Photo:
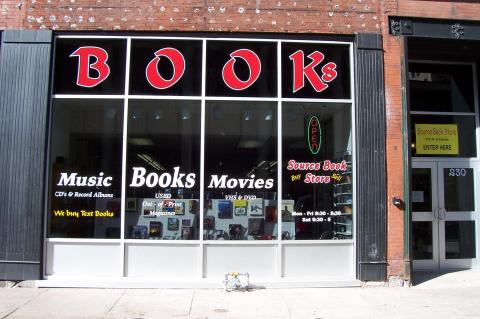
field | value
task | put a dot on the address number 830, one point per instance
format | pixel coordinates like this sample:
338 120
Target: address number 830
457 172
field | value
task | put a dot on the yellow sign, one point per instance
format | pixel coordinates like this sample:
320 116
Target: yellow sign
436 139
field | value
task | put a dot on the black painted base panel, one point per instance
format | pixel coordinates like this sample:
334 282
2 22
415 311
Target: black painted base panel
373 272
19 271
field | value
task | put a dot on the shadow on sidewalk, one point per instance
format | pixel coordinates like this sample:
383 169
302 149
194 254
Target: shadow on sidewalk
420 277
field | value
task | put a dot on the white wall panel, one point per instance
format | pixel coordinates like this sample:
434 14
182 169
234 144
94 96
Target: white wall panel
170 262
319 262
260 261
83 260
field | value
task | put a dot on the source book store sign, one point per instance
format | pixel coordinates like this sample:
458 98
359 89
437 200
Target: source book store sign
436 139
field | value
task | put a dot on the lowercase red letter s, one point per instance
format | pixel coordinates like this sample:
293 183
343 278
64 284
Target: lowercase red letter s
300 71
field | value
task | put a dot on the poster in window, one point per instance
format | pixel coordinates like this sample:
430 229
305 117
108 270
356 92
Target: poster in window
240 207
255 207
173 224
224 209
155 229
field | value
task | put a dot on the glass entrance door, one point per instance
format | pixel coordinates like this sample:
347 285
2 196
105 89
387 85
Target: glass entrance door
445 215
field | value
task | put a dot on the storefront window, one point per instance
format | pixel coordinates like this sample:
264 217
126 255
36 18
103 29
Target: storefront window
442 109
86 157
438 87
241 69
89 66
159 90
240 171
317 171
163 170
153 71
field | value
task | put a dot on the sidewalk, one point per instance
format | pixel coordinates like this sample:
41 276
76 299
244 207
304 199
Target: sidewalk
452 295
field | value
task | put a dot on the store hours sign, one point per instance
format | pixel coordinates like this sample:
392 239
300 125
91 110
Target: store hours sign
174 67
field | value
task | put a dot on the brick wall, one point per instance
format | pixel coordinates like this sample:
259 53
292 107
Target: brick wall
394 148
12 14
468 10
332 16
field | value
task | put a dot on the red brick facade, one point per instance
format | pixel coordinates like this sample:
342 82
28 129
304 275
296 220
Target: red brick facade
300 16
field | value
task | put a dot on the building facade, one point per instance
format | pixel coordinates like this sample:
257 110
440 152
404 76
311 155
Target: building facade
305 143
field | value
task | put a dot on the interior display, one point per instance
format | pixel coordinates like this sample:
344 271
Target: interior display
220 223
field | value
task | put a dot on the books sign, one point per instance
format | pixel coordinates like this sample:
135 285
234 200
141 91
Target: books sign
437 139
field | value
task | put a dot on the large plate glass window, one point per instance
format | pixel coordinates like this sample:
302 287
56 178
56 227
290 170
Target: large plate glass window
442 110
240 171
317 171
163 170
89 66
85 165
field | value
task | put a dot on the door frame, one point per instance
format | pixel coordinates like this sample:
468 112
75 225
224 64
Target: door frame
438 217
428 264
445 216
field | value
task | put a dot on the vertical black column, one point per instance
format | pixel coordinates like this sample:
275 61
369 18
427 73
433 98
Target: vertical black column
371 168
24 83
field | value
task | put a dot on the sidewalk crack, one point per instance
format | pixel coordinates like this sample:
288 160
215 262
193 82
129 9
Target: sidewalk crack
25 303
286 303
116 302
191 302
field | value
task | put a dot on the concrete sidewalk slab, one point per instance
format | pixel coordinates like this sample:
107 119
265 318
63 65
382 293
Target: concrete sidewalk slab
153 303
452 295
217 303
70 303
329 303
14 298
